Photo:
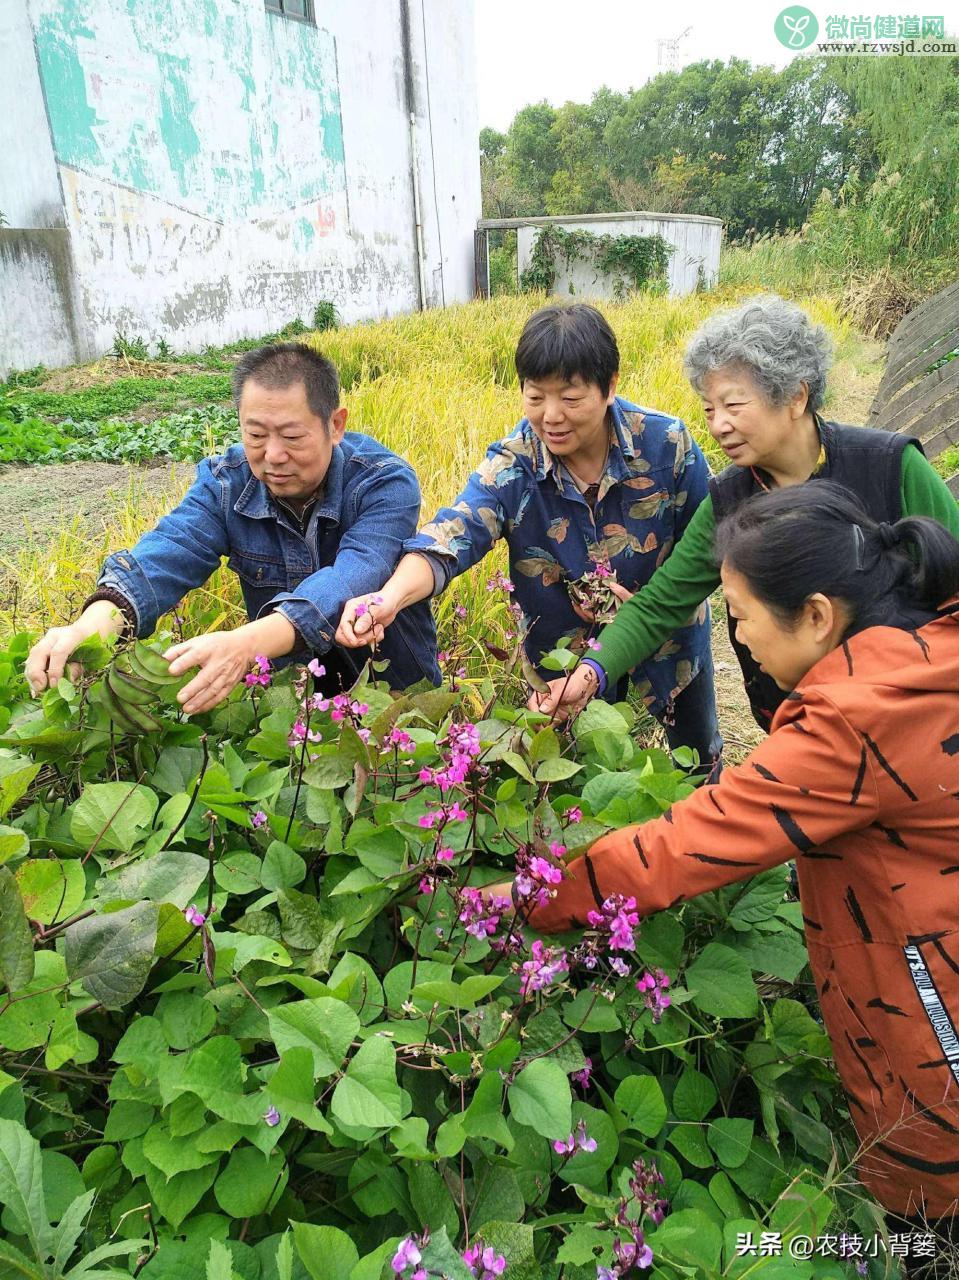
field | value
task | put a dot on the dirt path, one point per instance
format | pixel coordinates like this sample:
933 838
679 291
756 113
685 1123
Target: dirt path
36 501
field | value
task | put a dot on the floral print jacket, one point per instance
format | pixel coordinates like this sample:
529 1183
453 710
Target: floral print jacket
655 477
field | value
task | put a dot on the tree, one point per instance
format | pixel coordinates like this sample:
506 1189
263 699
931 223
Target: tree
747 144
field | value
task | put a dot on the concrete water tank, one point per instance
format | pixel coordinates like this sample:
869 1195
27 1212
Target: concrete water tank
694 261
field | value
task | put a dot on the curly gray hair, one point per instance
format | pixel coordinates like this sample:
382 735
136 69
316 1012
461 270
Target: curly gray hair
771 340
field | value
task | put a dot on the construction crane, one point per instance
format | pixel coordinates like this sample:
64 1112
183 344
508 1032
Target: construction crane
667 51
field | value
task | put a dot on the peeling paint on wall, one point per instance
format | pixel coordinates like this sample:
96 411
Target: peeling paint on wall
172 99
220 169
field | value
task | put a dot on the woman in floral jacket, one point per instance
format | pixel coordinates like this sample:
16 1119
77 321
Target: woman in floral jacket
586 481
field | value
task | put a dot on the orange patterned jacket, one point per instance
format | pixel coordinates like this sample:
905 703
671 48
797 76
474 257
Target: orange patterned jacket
859 782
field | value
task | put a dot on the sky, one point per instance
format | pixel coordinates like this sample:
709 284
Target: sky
564 50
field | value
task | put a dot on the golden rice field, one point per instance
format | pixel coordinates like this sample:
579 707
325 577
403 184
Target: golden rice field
437 387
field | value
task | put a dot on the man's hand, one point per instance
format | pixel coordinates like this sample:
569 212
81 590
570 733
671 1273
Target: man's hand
47 659
567 695
364 620
224 658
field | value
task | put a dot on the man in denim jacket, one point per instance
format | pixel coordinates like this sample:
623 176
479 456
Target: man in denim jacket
308 516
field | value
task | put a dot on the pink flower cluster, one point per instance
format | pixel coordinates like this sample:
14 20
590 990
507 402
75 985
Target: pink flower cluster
603 570
580 1140
399 740
301 732
582 1076
463 747
481 918
259 819
630 1250
445 813
653 988
192 915
345 709
261 676
535 874
316 668
646 1185
499 581
575 814
408 1255
362 608
547 964
484 1262
617 919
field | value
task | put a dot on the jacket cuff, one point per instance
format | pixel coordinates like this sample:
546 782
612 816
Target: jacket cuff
122 603
122 574
313 628
442 562
600 673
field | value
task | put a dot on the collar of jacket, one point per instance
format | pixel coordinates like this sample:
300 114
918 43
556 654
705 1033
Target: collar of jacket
620 447
257 502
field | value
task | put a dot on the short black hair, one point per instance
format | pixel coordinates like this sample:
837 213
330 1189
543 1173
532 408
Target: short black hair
566 341
279 365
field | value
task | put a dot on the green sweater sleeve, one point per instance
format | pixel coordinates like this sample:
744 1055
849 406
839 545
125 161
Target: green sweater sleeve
925 493
668 600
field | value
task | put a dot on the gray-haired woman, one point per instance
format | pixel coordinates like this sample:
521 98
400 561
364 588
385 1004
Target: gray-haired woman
761 371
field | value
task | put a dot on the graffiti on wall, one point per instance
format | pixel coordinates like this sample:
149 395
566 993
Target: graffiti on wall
214 106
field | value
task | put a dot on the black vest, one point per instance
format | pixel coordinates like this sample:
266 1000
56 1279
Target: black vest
866 461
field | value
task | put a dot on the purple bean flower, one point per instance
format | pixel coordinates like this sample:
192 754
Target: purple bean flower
194 916
261 676
653 986
618 919
484 1262
540 972
580 1140
407 1256
479 917
582 1076
271 1117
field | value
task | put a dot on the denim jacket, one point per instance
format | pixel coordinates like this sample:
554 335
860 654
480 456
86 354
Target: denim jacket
369 504
655 478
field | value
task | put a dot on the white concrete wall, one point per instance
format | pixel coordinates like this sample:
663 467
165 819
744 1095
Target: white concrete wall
223 168
29 182
39 318
696 242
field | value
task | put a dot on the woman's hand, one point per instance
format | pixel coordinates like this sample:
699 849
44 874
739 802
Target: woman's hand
567 695
364 620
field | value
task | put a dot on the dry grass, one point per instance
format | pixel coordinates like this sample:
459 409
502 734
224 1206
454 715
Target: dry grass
877 302
102 372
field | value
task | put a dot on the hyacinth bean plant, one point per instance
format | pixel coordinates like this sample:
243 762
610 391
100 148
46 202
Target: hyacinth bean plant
257 1020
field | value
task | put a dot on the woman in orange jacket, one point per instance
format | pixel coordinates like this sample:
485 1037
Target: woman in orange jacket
859 782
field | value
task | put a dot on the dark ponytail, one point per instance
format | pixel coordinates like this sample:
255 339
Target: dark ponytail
816 537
